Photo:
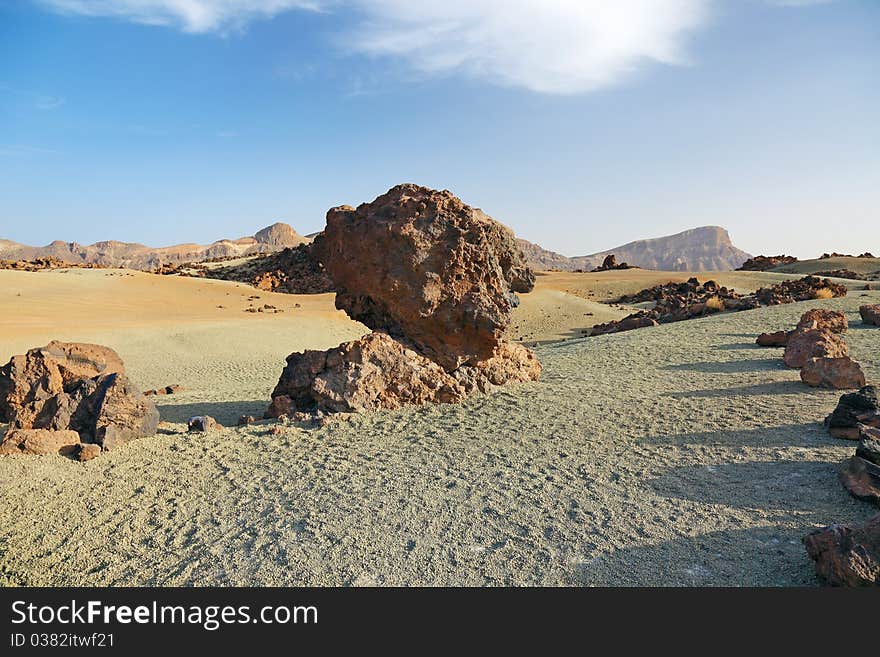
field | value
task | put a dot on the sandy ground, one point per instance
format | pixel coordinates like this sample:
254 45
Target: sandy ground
675 455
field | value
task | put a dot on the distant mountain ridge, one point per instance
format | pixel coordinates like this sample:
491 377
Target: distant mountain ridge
707 248
138 256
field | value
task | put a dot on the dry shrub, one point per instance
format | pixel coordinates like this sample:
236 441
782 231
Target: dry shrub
823 293
715 304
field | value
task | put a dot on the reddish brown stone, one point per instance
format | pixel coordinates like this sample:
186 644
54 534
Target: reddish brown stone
847 556
813 343
88 451
838 373
832 321
39 441
777 339
427 269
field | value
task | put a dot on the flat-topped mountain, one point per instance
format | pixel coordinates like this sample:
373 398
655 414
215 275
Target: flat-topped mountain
138 256
708 248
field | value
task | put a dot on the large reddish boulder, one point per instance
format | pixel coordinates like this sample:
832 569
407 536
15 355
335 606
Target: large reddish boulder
847 556
75 387
427 269
804 345
854 412
371 373
839 373
27 381
832 321
870 314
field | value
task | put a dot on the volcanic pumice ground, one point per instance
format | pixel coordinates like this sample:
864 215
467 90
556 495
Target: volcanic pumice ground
681 454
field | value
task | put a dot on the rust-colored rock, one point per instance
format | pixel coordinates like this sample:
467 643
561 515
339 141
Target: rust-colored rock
847 556
78 387
870 314
88 451
371 373
427 269
813 343
509 363
832 321
854 412
838 373
40 442
29 380
763 263
775 339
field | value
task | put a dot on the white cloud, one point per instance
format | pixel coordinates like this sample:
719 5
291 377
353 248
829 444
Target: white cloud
554 46
188 15
549 46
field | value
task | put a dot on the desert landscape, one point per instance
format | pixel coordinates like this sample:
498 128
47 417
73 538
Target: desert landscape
681 453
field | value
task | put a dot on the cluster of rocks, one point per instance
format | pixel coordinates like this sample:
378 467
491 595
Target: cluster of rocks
870 314
610 264
436 281
817 347
802 289
763 263
72 399
41 264
675 302
826 256
850 555
294 270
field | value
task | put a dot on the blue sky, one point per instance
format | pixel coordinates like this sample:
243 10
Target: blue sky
581 124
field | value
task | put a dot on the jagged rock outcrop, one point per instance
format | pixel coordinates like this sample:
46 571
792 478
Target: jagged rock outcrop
847 556
75 387
436 280
610 264
427 269
373 372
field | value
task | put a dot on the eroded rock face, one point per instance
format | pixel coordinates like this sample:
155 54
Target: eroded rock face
29 380
371 373
72 387
428 270
854 411
509 363
847 556
838 373
803 346
861 473
832 321
870 314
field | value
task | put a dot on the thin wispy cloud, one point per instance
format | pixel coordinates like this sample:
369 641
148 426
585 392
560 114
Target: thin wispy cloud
197 16
547 46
